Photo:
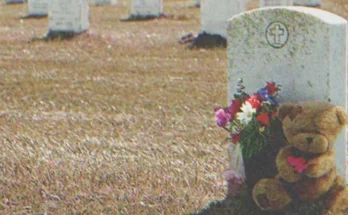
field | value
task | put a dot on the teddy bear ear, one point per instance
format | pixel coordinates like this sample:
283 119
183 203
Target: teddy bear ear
341 115
288 109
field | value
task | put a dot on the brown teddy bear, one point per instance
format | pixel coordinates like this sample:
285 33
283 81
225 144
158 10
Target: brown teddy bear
306 166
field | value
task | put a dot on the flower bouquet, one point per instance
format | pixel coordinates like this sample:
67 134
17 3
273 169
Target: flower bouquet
252 124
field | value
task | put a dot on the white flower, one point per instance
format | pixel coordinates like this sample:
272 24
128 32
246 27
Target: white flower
247 113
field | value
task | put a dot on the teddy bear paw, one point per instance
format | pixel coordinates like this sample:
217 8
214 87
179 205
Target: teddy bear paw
268 194
338 203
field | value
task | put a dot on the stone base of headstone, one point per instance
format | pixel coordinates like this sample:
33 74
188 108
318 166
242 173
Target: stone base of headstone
101 2
60 35
148 17
33 16
15 1
301 5
197 4
307 3
203 40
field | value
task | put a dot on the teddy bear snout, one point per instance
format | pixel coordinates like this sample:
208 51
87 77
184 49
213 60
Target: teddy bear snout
317 144
309 140
313 143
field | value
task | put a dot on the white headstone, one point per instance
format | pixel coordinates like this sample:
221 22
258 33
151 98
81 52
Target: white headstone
197 3
312 3
102 2
68 15
38 7
269 3
15 1
301 48
214 15
145 8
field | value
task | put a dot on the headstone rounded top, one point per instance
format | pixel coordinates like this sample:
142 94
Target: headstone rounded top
322 15
301 48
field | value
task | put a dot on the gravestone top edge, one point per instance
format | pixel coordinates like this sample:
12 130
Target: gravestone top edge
322 15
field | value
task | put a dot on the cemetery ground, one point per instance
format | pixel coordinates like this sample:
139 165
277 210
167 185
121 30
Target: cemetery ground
118 120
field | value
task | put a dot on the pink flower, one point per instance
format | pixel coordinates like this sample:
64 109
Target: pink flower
222 117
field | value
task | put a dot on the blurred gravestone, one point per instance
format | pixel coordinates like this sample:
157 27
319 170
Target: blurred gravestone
197 3
145 9
310 3
291 46
269 3
15 1
37 8
67 17
102 2
214 18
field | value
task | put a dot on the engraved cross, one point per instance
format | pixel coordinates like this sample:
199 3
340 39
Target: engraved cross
277 32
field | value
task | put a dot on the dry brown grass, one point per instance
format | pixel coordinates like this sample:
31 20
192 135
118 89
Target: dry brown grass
115 121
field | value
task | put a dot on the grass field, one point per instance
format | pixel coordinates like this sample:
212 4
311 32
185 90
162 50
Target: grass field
118 120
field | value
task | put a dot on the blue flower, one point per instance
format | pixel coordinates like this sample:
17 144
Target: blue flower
263 92
271 99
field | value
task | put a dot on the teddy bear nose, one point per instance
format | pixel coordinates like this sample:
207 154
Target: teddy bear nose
309 139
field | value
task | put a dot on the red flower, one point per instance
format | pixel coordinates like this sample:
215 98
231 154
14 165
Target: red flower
254 101
235 138
234 107
246 97
299 163
274 114
234 176
263 118
271 88
234 181
259 97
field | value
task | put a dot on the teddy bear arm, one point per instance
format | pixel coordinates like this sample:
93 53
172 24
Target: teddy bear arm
337 202
285 170
320 165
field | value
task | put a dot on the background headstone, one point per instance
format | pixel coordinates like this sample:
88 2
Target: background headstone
146 8
102 2
68 16
38 7
197 3
15 1
267 3
214 15
301 48
311 3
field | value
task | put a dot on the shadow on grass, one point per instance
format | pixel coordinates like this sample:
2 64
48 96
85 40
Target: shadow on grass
244 205
203 40
145 18
58 35
15 2
34 16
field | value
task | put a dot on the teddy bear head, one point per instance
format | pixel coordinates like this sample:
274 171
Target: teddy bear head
312 127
